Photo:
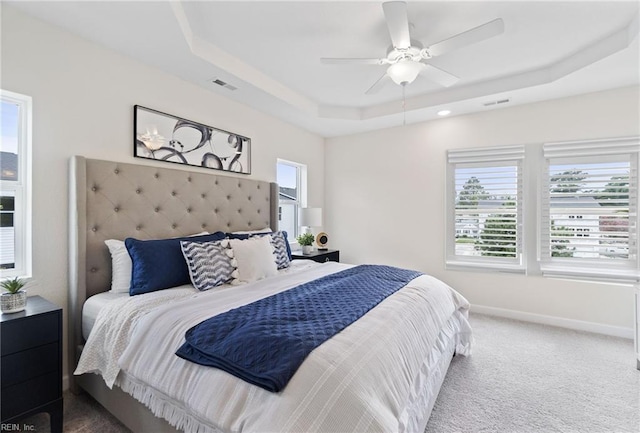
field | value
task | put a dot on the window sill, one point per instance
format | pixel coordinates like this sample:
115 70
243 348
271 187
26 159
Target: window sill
455 265
615 276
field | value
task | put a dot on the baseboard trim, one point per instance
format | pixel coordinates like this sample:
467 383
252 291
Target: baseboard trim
579 325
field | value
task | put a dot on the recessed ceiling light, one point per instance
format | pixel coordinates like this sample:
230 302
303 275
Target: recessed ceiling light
444 112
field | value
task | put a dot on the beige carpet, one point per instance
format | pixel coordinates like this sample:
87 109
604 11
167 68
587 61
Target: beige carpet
529 378
521 378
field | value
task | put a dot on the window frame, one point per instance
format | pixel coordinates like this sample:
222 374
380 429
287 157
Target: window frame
489 157
301 199
591 152
21 188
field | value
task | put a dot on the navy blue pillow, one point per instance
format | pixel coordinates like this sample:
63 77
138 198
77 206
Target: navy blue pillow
248 235
159 264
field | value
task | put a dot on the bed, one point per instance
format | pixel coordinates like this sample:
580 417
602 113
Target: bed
381 373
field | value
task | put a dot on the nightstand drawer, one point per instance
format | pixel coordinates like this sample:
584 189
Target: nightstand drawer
319 256
21 366
29 332
33 393
333 256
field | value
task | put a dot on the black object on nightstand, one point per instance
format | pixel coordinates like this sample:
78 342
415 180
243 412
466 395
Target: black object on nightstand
320 256
31 374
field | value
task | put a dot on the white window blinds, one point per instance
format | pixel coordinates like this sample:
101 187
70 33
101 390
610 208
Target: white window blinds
484 227
589 209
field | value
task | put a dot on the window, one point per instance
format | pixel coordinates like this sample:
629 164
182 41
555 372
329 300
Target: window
484 203
589 209
291 178
15 177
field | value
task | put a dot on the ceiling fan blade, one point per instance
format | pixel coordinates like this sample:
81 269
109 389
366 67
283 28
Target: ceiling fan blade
378 85
476 34
439 76
395 13
347 61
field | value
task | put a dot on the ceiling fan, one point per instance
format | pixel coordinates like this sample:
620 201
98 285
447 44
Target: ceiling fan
406 57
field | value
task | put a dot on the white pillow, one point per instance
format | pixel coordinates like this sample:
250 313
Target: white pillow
121 264
254 257
252 232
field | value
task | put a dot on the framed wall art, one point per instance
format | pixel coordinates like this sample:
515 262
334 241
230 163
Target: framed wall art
165 137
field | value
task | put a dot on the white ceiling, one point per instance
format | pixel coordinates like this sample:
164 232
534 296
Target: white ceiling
270 51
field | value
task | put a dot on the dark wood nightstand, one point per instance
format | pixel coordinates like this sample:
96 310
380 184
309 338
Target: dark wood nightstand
31 373
319 256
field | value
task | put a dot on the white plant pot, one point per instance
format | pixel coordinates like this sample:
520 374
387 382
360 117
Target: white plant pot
307 249
13 302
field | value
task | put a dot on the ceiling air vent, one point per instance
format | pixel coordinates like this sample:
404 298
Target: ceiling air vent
499 101
221 83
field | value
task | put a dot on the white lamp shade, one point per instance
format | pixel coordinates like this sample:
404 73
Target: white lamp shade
311 217
405 71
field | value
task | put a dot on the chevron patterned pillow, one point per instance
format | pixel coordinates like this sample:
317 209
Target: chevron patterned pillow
210 264
280 243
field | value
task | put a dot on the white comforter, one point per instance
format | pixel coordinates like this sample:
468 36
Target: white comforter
369 377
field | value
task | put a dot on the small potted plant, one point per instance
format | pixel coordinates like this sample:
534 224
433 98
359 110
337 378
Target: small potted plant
14 299
305 240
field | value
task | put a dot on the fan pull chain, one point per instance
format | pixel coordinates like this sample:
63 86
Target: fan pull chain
404 111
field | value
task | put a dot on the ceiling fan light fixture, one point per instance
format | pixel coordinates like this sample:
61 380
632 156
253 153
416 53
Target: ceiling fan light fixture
404 71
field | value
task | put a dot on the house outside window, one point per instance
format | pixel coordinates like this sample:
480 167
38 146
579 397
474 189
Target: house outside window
15 185
291 178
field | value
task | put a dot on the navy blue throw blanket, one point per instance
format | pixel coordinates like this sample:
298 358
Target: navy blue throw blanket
265 342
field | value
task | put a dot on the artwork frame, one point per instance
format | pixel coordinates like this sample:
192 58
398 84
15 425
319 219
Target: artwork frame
164 137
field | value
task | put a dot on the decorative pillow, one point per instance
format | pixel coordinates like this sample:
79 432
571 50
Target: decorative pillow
159 264
280 244
120 266
210 264
251 232
236 235
254 257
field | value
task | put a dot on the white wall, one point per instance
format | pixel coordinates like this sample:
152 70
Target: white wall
385 189
83 98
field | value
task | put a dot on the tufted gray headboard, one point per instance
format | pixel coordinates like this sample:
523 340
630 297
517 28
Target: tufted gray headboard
114 200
